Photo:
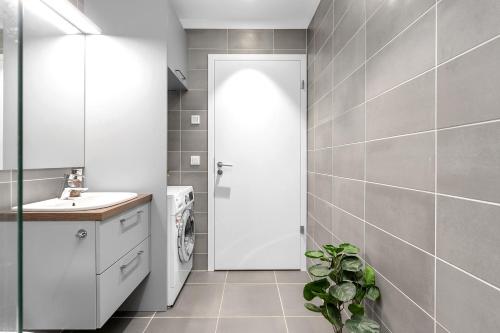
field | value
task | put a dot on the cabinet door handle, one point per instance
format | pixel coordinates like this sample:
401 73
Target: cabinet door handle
122 267
180 72
137 215
82 233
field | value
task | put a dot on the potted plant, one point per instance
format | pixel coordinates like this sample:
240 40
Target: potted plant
342 280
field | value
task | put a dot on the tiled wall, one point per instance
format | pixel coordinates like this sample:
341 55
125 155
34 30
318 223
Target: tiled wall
404 153
41 184
184 139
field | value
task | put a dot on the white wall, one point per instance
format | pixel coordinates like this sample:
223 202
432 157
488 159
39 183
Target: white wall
126 117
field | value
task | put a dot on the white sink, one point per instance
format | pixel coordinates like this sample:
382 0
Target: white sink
87 201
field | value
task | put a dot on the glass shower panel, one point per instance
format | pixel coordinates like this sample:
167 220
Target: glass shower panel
9 115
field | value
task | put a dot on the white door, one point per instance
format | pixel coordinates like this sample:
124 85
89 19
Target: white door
257 131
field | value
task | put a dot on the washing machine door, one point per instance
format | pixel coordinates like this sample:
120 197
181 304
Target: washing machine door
185 237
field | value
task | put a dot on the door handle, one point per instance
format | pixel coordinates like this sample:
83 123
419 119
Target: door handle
222 164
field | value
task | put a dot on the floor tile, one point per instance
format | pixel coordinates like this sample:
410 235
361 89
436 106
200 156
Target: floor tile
196 300
251 300
206 277
251 277
293 301
251 325
308 325
182 325
292 277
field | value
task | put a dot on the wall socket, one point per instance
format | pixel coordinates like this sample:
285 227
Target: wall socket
195 160
195 119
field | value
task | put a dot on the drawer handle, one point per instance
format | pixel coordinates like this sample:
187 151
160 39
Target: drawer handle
122 267
82 233
122 221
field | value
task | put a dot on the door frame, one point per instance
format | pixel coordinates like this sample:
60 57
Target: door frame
212 58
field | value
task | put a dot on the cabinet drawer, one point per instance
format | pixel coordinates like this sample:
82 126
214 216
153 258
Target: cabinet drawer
120 234
118 281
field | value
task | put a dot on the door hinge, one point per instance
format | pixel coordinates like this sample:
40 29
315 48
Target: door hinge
303 85
302 229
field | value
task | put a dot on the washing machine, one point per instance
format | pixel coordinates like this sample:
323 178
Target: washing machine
181 238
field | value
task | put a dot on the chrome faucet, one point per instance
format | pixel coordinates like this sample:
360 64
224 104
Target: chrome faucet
73 185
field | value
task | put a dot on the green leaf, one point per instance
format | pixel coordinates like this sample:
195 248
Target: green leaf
369 276
312 307
356 309
373 293
313 287
332 314
319 270
351 264
360 294
360 324
314 254
330 249
344 292
349 248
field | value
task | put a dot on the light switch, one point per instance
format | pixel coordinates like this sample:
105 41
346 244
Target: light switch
195 119
195 160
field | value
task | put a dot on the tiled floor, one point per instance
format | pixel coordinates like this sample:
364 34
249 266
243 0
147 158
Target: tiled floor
230 302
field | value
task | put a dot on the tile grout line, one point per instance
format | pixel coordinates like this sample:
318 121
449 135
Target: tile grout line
221 300
149 322
435 163
281 301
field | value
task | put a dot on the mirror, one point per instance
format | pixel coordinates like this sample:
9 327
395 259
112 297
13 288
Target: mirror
53 94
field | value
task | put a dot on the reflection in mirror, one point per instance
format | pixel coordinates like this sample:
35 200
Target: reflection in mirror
8 159
53 91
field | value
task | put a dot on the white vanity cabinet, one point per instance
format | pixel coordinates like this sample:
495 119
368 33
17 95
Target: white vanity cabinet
176 53
78 273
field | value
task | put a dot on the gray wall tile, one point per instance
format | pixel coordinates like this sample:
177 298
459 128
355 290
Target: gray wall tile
250 39
404 161
323 213
324 30
349 195
349 161
201 244
468 162
201 222
201 203
324 83
198 58
198 79
349 93
323 187
407 109
323 161
391 19
407 214
325 54
372 6
174 120
350 58
174 161
464 225
349 127
194 100
321 235
323 135
207 38
200 262
347 228
290 39
173 178
463 24
468 87
465 304
174 140
399 313
194 141
324 108
295 51
410 54
196 179
349 24
411 270
174 101
340 8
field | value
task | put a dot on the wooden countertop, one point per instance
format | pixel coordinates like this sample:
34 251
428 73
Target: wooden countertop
82 215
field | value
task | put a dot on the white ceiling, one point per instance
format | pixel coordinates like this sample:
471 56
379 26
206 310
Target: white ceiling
244 14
